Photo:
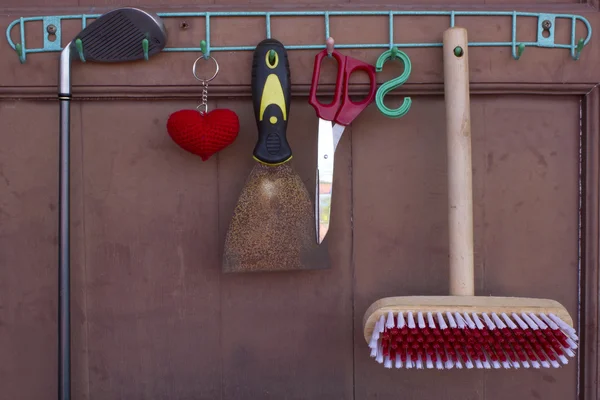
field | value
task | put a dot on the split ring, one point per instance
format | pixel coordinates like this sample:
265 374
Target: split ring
212 77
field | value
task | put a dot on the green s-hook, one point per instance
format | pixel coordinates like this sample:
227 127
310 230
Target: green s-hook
393 84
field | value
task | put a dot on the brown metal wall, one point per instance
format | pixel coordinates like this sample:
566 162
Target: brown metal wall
153 317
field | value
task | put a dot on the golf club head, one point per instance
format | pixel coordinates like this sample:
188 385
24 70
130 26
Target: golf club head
114 37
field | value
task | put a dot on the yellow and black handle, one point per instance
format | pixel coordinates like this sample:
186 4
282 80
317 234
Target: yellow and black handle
271 92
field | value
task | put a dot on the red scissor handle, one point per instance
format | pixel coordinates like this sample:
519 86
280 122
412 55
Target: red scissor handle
327 111
350 109
341 110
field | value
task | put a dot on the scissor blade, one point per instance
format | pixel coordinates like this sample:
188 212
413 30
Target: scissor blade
337 131
324 181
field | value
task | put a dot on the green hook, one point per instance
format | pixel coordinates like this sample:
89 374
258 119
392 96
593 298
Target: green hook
145 47
204 48
272 57
520 50
79 46
20 52
579 48
393 84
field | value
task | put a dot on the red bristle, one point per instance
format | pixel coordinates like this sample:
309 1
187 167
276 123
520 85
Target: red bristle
532 353
394 331
490 351
545 345
436 332
403 356
556 342
433 355
393 354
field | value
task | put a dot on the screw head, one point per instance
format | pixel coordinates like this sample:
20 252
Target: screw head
546 24
184 25
51 29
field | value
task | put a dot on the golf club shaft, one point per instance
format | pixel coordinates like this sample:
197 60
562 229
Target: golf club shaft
64 323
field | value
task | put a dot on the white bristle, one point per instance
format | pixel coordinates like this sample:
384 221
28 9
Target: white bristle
441 321
449 364
571 343
421 320
411 320
375 334
525 364
458 364
530 322
429 362
390 323
522 324
548 321
469 364
506 365
486 363
564 326
508 321
430 320
379 357
569 352
460 321
496 364
515 364
563 359
488 321
535 364
409 363
477 321
388 362
538 321
469 321
373 343
545 364
398 361
478 364
439 364
498 321
451 320
554 364
374 352
419 362
401 322
381 323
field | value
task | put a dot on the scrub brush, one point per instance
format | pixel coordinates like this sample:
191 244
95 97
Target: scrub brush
463 330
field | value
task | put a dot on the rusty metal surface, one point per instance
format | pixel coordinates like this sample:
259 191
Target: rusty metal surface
154 318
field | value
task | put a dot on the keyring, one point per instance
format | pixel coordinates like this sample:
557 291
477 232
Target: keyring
211 78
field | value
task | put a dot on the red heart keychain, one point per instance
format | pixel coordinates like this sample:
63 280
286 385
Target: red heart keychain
201 132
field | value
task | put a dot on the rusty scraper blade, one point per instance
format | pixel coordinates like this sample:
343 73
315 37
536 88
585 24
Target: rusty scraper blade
272 227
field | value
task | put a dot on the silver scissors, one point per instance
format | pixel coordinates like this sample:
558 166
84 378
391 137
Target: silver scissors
333 119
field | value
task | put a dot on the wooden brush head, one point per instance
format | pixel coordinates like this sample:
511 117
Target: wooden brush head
445 332
461 304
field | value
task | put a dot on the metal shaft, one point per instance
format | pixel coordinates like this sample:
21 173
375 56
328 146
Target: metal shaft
64 322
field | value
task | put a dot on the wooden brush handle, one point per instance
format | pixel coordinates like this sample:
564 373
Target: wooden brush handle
458 133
